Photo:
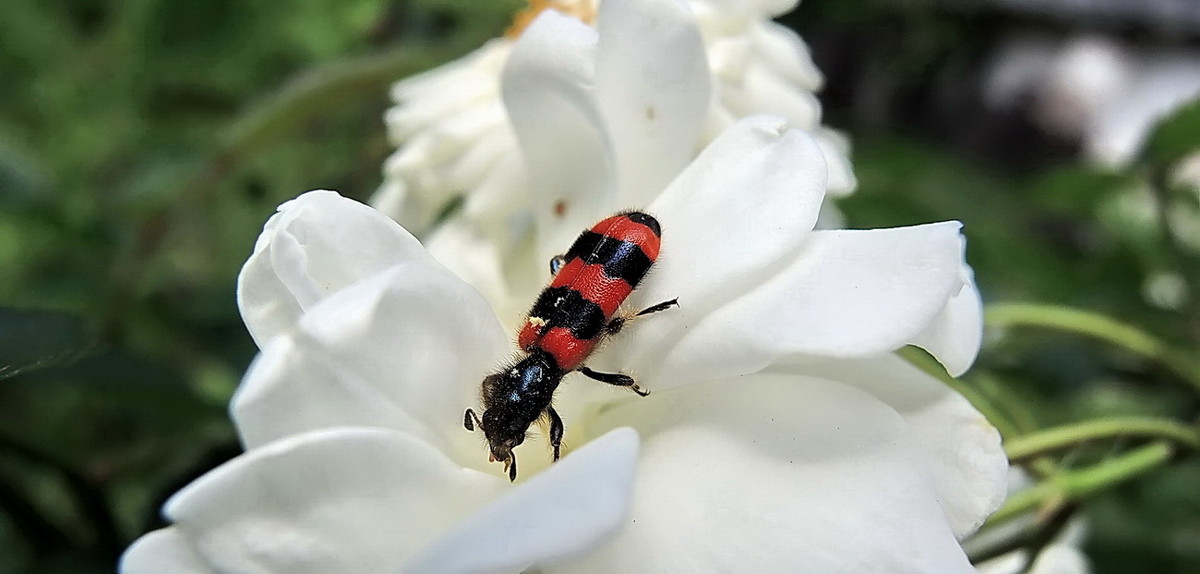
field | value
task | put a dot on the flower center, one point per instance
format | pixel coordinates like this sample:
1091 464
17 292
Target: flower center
583 10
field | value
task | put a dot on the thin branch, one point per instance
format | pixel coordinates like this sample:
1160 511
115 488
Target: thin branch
1052 440
1071 486
1097 326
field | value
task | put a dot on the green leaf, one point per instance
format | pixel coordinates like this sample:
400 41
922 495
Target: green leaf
37 339
1074 189
1175 137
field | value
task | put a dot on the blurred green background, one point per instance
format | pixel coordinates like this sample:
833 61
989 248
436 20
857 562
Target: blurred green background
143 143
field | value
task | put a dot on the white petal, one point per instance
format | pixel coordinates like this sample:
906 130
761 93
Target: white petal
557 514
1061 559
466 72
465 250
727 58
164 550
760 91
747 201
652 86
1010 563
770 473
503 190
775 8
963 451
314 246
393 199
455 132
1162 84
472 163
787 55
1054 559
830 217
426 98
836 148
295 385
339 500
405 349
547 88
956 334
845 294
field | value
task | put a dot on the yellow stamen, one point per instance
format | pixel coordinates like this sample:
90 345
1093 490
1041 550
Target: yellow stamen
584 10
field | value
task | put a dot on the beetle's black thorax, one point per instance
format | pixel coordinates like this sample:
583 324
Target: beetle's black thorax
522 391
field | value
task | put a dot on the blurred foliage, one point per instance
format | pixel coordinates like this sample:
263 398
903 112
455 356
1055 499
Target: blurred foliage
144 142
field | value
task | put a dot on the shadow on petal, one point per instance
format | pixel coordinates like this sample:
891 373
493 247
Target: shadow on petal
773 473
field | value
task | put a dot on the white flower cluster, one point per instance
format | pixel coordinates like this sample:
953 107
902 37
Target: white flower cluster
782 432
1094 89
455 140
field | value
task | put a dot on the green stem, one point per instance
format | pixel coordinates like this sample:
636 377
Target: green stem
1055 439
1096 326
1075 485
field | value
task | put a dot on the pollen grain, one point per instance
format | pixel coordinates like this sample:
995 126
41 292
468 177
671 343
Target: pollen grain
584 10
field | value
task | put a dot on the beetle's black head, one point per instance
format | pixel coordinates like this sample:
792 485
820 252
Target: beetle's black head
514 398
504 432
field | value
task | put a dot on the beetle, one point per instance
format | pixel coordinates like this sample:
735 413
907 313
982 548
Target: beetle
568 321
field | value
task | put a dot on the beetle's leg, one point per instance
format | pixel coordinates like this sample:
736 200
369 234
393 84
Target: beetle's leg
618 323
659 307
467 420
511 466
556 431
615 379
557 263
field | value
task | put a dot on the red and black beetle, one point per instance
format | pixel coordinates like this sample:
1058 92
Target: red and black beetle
566 323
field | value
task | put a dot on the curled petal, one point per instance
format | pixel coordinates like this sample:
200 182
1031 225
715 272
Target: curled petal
404 349
547 88
964 455
427 98
164 550
845 294
557 514
316 245
652 86
747 201
956 334
761 91
787 55
337 500
836 470
836 148
775 8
